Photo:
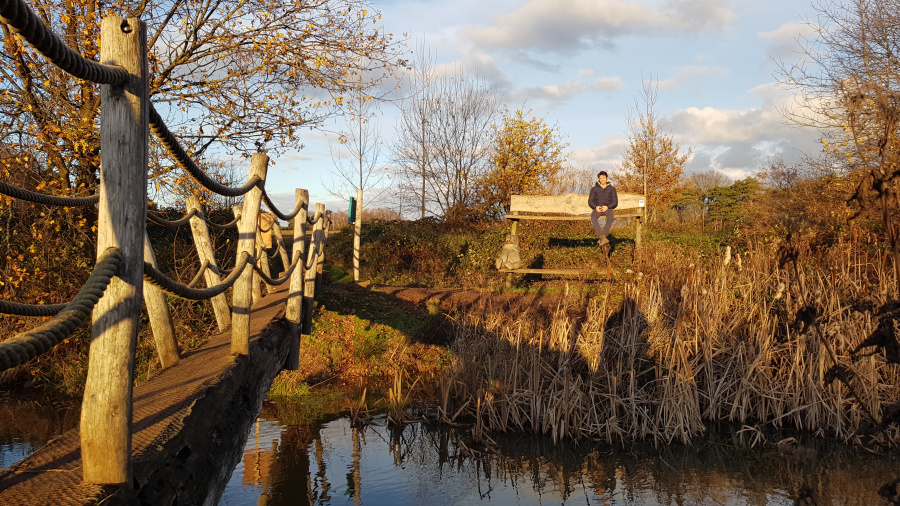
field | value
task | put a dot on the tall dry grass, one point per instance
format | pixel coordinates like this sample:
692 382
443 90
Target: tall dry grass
770 338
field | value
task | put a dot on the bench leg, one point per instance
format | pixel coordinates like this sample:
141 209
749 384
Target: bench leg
513 229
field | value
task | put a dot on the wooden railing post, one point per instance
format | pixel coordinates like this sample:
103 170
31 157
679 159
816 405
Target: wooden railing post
282 247
124 136
205 253
263 263
247 226
159 315
320 261
292 311
309 283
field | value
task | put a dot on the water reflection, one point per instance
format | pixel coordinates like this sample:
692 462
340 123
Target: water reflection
328 461
26 425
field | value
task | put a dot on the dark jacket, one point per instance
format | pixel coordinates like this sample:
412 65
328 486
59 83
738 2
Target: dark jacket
601 196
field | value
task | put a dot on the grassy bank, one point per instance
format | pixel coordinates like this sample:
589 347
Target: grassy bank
365 338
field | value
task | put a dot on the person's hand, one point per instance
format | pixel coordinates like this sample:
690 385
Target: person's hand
598 209
602 209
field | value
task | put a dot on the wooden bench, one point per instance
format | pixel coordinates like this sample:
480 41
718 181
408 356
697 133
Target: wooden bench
568 207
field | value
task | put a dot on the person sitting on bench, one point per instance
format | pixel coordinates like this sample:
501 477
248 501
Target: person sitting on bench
602 200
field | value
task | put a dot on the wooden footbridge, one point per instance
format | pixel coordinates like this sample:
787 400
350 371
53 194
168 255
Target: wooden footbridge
170 440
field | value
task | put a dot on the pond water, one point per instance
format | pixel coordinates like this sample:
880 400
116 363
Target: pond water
328 461
296 455
27 424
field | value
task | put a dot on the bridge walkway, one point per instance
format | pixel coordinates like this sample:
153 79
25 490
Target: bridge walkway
164 407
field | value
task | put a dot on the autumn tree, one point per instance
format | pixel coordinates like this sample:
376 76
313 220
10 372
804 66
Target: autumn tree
227 77
653 163
526 159
849 81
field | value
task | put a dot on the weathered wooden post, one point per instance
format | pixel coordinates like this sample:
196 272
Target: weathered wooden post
320 261
263 263
309 283
513 230
159 315
206 254
243 287
292 312
282 247
124 136
357 231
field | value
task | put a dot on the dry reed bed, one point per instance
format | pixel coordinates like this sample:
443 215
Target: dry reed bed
751 340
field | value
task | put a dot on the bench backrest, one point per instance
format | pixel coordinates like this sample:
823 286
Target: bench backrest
571 203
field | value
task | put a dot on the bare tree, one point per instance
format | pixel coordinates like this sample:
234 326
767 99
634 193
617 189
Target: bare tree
356 157
411 149
849 79
443 138
463 113
708 180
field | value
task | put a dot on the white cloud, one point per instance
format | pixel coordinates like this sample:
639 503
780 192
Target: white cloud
736 142
566 90
787 41
569 25
688 74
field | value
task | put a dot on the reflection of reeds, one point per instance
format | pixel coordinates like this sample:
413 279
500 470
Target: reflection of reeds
748 342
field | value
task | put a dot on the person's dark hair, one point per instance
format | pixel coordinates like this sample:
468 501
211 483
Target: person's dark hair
602 173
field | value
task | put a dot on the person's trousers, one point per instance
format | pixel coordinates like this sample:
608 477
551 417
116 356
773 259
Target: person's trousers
595 222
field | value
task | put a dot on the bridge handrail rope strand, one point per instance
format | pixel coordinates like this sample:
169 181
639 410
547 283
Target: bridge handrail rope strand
275 211
47 200
19 309
222 226
27 345
177 289
199 275
23 21
168 140
284 277
159 220
315 218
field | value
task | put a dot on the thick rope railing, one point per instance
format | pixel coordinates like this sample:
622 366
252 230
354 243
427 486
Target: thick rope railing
275 211
28 345
172 287
184 220
316 217
47 200
284 277
23 21
222 226
18 309
159 220
168 140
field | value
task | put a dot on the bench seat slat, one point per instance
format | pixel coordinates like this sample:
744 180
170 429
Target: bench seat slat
557 272
625 213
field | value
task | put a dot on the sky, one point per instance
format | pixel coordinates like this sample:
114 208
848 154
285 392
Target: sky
581 64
